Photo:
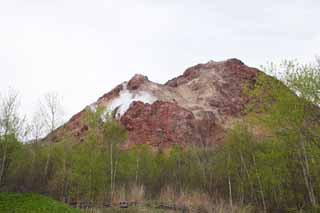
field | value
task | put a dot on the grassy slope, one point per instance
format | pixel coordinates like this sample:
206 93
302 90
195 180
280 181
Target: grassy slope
29 202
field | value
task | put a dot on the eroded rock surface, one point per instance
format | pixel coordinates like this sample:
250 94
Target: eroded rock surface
194 108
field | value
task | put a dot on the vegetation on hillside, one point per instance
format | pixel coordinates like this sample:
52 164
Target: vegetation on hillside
270 160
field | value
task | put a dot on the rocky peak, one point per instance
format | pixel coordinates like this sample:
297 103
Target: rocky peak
229 66
135 82
195 107
234 61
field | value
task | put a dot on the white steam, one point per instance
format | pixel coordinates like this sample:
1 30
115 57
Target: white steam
126 97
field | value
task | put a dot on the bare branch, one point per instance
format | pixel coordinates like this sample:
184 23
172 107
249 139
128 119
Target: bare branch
11 123
51 111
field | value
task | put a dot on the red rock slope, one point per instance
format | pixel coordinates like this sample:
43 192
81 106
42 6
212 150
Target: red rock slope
194 108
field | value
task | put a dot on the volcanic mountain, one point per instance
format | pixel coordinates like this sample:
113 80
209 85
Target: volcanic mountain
196 107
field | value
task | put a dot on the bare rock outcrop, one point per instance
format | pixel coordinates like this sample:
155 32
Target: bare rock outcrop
194 108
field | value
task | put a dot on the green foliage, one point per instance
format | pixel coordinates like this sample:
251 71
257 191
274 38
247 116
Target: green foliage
30 202
10 144
285 158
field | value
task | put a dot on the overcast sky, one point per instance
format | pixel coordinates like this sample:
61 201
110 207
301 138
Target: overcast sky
82 49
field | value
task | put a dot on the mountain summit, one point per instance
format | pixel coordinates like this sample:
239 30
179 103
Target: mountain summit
195 107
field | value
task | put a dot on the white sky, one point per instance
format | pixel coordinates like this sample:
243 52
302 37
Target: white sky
82 49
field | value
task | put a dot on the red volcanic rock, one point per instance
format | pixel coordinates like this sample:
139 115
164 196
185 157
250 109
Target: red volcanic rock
194 108
233 69
158 124
163 124
136 81
188 75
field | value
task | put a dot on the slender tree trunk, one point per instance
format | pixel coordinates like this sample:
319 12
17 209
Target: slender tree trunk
114 176
90 186
31 171
260 185
305 165
3 163
229 184
46 168
65 180
230 191
111 174
306 174
137 168
4 158
202 166
248 176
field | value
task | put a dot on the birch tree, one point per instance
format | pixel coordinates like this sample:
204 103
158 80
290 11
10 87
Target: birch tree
52 115
294 114
11 128
114 134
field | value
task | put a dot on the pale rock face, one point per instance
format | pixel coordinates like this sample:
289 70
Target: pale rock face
122 103
93 107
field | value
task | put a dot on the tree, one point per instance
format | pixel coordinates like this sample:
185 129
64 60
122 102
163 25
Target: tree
293 114
52 111
114 134
11 128
52 115
36 127
108 133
